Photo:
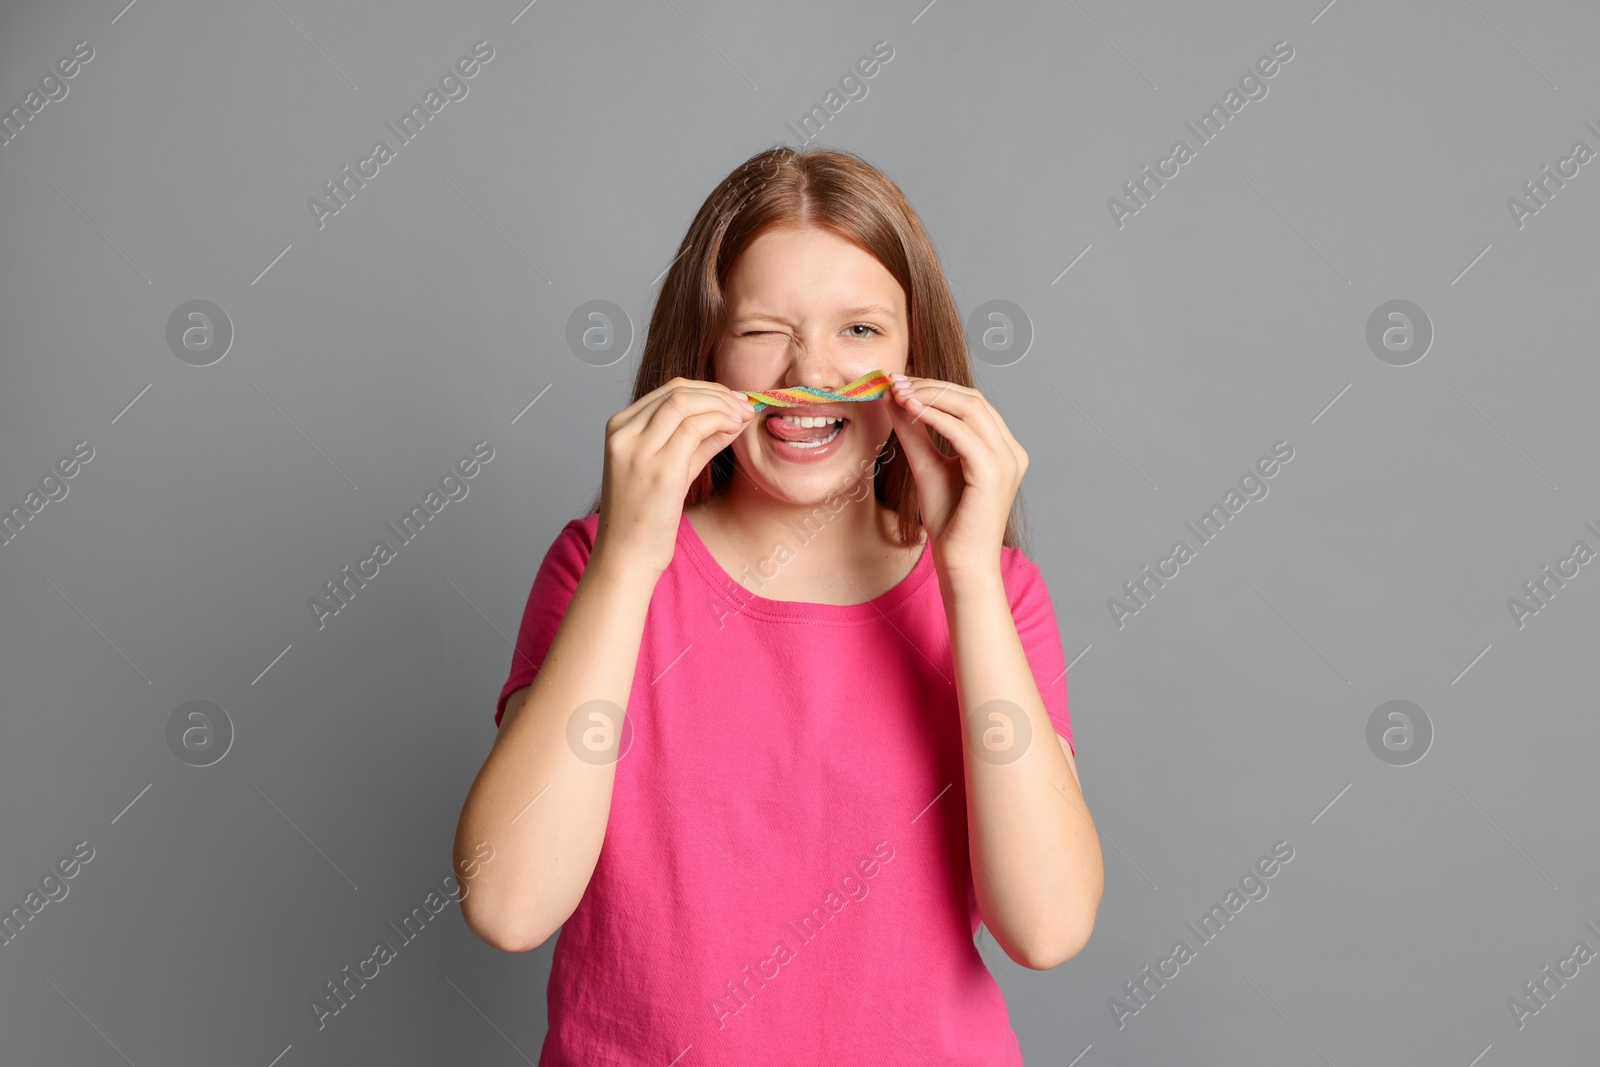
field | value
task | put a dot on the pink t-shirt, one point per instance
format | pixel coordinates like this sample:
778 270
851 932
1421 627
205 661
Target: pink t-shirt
784 877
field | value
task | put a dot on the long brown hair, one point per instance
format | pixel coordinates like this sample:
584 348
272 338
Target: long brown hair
834 190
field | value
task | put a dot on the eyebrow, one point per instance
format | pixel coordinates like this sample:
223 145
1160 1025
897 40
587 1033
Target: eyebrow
855 312
870 309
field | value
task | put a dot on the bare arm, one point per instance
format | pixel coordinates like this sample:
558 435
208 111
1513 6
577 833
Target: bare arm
540 805
542 808
1036 865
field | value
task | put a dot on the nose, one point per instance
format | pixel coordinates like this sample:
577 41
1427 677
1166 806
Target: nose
811 365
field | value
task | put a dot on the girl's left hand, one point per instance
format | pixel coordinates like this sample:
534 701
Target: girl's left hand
965 499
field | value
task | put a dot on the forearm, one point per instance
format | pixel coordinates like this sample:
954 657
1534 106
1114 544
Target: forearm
542 807
1035 853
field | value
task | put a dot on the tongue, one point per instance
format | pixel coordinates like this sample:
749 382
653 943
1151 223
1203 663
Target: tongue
784 430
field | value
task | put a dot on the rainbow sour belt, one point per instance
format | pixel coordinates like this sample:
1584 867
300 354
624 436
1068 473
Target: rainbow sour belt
869 386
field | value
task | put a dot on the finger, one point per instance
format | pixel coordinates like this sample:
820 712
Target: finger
637 415
921 452
972 448
1002 435
679 382
968 404
919 395
1005 431
948 386
699 437
683 403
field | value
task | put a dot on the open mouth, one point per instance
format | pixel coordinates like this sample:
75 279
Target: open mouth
804 432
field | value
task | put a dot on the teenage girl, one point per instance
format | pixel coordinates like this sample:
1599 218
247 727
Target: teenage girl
846 739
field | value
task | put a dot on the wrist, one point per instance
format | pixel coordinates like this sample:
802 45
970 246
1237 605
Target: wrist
967 568
623 571
967 578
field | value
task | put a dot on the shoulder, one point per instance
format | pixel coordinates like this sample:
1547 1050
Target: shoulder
1027 592
569 550
1014 558
584 528
1020 574
578 535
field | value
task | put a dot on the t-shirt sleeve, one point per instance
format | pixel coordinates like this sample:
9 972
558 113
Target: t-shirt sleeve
1035 616
552 591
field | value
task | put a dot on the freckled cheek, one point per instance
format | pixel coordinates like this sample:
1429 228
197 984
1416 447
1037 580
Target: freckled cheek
748 443
872 427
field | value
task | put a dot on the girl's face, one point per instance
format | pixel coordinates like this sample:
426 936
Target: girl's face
807 307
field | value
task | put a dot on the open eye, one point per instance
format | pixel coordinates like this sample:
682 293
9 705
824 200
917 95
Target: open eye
863 325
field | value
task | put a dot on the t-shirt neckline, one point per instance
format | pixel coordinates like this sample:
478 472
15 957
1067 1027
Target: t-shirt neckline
752 603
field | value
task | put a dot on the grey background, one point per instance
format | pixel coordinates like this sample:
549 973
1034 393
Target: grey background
1229 314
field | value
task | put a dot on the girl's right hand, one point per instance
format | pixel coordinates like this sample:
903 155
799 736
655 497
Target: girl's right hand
655 448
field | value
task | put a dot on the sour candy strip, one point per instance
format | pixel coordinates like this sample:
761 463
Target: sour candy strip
869 386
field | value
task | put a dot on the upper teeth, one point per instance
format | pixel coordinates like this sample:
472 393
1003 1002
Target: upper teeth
809 421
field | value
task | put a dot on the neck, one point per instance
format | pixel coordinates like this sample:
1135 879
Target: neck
827 537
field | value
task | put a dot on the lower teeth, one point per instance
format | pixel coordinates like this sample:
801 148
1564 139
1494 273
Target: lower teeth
816 444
